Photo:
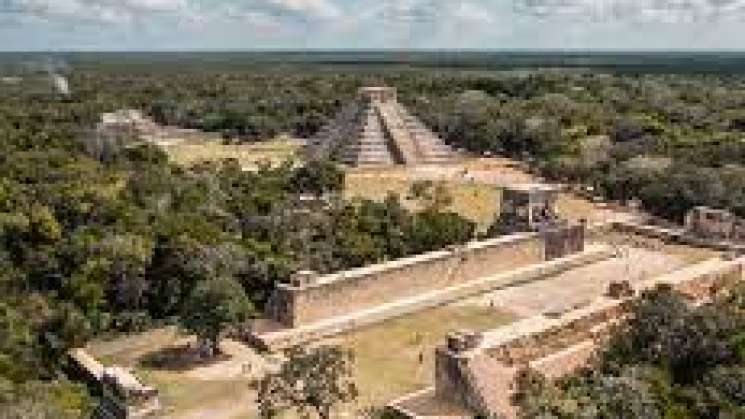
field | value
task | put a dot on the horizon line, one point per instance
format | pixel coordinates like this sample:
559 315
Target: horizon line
433 50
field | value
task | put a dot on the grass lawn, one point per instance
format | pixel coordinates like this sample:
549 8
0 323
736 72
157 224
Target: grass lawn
248 155
387 354
476 201
386 358
189 398
182 393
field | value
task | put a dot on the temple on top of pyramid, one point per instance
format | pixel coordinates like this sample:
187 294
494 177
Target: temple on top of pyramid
377 130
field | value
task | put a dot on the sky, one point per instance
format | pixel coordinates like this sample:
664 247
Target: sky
65 25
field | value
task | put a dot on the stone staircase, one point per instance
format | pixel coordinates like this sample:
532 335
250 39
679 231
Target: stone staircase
491 386
432 150
335 133
401 138
379 131
371 145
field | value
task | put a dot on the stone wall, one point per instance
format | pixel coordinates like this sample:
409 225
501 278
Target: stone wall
478 370
715 224
476 382
279 339
311 298
553 335
123 396
563 241
566 361
675 235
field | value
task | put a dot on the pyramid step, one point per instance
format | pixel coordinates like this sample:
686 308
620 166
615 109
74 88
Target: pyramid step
379 132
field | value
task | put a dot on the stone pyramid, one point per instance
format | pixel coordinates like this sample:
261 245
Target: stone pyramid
377 130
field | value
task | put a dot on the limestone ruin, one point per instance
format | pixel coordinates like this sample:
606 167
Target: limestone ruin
715 224
477 371
129 124
529 207
312 306
704 227
123 396
378 130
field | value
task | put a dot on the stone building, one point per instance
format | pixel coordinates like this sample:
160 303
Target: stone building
529 207
123 123
377 130
123 396
477 371
715 224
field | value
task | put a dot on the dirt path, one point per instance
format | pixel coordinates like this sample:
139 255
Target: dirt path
231 409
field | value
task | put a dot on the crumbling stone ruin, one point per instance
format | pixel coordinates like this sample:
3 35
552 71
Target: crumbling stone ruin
563 240
312 306
126 123
377 130
704 227
477 371
132 124
123 396
528 207
715 224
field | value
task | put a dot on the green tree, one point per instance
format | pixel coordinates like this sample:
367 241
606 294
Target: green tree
212 306
310 382
317 177
44 400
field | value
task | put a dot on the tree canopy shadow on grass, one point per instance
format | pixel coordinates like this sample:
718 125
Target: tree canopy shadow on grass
179 358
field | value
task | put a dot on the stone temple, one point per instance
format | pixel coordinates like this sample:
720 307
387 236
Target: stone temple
377 130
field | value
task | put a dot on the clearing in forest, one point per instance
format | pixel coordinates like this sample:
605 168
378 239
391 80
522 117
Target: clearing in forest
474 187
249 156
386 358
387 355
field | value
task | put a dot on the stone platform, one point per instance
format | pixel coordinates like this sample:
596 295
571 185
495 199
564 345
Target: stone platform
476 371
272 336
376 130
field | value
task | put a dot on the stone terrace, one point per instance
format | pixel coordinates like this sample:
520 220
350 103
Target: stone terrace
376 130
476 371
312 306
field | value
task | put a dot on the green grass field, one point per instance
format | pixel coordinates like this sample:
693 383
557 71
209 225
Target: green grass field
248 155
387 354
475 201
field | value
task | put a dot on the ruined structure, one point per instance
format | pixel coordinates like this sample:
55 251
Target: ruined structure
715 224
529 207
477 371
313 306
123 396
706 228
130 124
377 130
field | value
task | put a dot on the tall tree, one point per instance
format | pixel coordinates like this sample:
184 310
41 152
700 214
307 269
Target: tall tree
211 307
310 382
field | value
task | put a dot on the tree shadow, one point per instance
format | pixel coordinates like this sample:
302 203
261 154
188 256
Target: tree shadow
180 358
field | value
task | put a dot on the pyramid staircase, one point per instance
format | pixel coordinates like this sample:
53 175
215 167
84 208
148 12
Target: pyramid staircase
376 130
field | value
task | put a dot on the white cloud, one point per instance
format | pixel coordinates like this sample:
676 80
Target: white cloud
472 12
324 9
143 24
96 11
156 5
416 23
127 11
426 12
666 11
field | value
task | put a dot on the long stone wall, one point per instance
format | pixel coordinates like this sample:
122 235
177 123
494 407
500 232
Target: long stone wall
123 396
311 298
478 371
676 235
335 325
